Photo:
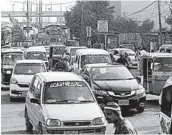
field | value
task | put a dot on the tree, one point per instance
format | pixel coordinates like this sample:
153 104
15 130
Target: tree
146 26
92 11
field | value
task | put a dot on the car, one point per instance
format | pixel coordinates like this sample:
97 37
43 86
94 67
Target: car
72 51
62 103
127 46
115 82
166 48
131 54
89 56
22 75
38 53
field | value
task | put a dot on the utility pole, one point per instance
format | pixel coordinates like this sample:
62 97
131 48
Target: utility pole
27 19
40 14
36 12
82 24
160 25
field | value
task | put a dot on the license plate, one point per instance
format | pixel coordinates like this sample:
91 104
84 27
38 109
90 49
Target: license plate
123 102
8 72
71 132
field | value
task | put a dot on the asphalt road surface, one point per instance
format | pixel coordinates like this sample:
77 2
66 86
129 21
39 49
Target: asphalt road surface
12 117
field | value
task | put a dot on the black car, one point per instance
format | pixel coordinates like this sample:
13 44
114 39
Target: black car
115 82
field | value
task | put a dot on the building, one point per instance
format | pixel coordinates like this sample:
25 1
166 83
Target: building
117 5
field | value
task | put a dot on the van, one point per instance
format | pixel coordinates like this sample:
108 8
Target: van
90 56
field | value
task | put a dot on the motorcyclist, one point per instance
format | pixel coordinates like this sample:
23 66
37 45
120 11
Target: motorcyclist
121 125
59 66
66 61
123 60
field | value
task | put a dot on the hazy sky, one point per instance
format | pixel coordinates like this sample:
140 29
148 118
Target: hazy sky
127 7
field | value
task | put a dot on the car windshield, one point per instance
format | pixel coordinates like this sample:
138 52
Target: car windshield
111 73
29 68
58 50
66 92
11 58
130 52
37 55
163 64
93 59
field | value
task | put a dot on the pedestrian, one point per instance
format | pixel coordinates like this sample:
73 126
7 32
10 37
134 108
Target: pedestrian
123 61
121 125
66 61
128 59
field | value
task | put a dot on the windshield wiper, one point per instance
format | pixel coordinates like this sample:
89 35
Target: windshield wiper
85 101
60 101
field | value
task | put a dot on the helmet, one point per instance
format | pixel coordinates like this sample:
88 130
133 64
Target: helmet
66 57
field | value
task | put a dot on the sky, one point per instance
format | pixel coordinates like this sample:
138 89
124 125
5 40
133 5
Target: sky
127 8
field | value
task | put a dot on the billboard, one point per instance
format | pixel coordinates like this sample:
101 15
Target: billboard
102 25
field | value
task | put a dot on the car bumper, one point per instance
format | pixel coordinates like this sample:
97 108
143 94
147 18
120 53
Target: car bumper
74 130
18 92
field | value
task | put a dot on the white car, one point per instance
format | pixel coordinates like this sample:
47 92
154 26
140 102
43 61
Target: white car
22 75
90 56
62 103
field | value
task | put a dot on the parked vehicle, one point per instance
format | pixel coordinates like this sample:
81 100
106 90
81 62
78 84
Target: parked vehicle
166 108
62 103
131 54
155 69
90 56
55 53
38 53
115 82
167 48
72 51
23 72
8 60
127 46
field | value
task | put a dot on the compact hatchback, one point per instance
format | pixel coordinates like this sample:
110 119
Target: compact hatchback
62 103
115 82
22 75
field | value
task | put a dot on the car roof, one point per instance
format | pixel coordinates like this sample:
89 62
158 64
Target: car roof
166 46
122 49
6 50
57 44
103 65
157 55
69 47
59 76
29 61
36 49
91 51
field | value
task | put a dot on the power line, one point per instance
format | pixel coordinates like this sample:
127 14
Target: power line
132 5
141 9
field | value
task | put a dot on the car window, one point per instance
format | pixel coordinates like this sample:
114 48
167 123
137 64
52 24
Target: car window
166 104
37 89
63 91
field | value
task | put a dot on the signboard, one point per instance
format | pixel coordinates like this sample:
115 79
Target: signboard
165 124
102 25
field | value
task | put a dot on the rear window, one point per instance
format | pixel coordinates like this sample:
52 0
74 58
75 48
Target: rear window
93 59
29 68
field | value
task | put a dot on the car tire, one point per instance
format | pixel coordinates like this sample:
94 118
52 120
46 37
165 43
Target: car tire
12 99
140 109
29 126
40 131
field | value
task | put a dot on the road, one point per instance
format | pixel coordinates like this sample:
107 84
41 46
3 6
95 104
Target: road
12 117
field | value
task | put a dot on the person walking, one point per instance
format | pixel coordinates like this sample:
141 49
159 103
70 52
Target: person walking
121 125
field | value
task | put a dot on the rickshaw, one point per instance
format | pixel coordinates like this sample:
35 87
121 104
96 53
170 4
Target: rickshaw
166 108
55 53
155 69
8 60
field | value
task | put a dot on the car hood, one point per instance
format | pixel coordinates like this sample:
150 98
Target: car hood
70 112
116 85
23 78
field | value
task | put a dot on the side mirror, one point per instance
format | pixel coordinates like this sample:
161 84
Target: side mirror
100 99
139 80
34 101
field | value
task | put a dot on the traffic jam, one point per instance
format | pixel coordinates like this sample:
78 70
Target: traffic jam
80 90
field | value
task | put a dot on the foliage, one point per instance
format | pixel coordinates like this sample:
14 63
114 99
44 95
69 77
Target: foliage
146 26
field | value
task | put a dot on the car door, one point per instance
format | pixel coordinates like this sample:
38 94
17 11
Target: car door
37 107
29 105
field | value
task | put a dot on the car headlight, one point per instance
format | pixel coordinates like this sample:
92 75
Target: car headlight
99 121
13 81
111 93
140 91
100 92
53 122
